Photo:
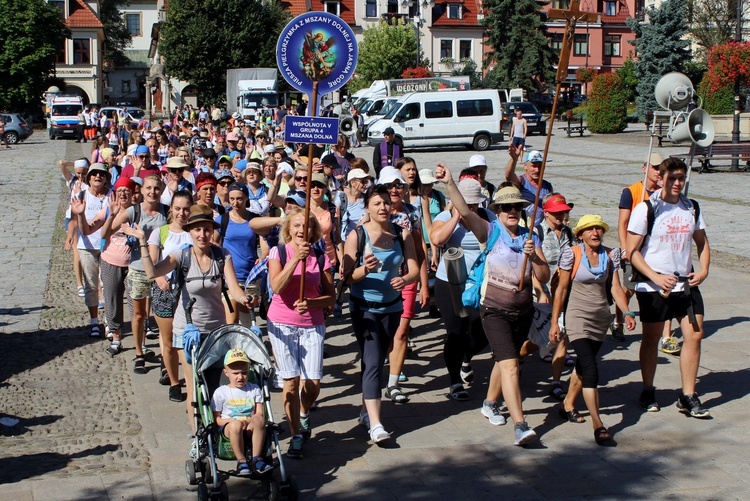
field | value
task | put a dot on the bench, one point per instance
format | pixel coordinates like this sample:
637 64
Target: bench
719 152
575 128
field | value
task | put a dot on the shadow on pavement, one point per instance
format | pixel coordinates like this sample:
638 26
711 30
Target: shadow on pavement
15 469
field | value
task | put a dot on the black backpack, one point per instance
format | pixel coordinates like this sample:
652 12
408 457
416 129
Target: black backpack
179 277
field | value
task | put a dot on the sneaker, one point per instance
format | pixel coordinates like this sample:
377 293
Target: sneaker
648 400
304 427
364 420
402 378
175 394
524 434
101 304
466 373
378 434
669 345
295 447
491 411
243 469
151 334
691 405
617 331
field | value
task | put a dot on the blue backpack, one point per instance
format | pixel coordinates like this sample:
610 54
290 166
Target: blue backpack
472 296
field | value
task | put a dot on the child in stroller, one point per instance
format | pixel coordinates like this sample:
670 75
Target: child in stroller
238 411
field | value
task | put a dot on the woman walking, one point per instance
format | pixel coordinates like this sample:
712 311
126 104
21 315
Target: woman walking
588 278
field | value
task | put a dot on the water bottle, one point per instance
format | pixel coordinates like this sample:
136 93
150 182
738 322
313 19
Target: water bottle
665 294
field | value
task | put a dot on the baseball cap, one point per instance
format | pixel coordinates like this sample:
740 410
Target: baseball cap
478 161
319 177
209 153
223 173
534 157
425 175
358 174
225 158
557 203
389 131
390 174
239 187
285 168
241 165
296 196
142 150
233 136
131 149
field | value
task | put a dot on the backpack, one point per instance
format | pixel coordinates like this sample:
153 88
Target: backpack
163 210
180 273
361 242
637 276
472 295
320 257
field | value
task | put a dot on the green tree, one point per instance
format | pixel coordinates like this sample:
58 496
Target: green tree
116 35
468 67
628 78
661 48
607 107
201 39
386 50
712 22
521 55
718 102
32 32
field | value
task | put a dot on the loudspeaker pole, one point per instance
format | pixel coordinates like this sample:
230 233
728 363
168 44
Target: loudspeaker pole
737 101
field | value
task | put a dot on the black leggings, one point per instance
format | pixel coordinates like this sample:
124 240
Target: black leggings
465 336
374 333
586 367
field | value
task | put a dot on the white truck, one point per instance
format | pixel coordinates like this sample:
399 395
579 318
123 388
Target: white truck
252 92
63 117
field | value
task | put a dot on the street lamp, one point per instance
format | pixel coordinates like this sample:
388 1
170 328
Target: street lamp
418 20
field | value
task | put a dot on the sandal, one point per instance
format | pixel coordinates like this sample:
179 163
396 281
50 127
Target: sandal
603 437
396 395
557 392
115 348
573 416
458 392
140 365
94 332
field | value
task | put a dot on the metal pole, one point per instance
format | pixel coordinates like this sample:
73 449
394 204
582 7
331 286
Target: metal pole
737 104
314 112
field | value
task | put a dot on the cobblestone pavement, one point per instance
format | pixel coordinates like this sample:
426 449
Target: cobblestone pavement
91 430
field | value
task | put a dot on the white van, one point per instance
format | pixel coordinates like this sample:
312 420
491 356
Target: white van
63 118
470 118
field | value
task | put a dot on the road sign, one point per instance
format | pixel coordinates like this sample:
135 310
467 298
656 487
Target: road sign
311 130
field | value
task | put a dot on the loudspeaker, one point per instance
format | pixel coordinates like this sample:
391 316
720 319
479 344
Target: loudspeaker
347 126
673 91
698 128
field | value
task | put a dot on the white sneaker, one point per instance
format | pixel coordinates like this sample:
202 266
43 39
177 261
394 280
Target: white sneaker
492 412
524 434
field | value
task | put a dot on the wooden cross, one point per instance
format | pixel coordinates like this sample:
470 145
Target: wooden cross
572 15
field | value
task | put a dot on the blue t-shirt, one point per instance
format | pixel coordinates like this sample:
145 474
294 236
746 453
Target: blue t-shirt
351 216
462 238
376 286
528 193
241 242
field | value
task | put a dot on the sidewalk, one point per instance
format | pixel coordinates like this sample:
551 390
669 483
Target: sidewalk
90 429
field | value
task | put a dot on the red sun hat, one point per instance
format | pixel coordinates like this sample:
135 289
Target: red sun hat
557 204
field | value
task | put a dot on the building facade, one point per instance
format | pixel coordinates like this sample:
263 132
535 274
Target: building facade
79 60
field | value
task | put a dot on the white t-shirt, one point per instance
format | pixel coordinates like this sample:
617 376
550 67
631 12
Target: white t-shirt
93 206
668 248
173 242
236 403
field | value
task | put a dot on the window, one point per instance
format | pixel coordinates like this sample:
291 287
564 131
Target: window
392 7
612 45
464 49
333 8
61 53
555 42
454 10
408 112
474 108
561 4
125 87
133 23
60 4
371 8
81 51
446 49
438 109
610 8
580 44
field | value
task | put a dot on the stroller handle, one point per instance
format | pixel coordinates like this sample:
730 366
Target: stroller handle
189 310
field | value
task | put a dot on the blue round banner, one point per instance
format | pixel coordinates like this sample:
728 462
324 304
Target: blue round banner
317 46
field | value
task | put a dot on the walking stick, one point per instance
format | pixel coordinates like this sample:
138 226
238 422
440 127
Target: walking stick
314 104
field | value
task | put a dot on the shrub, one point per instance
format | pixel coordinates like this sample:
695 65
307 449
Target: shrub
718 102
606 109
418 72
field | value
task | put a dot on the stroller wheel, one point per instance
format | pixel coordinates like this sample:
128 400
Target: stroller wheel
206 472
273 490
203 492
289 488
224 492
190 472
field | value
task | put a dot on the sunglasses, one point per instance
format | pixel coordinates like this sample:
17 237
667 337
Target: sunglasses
509 207
225 183
176 170
300 178
390 186
318 186
98 174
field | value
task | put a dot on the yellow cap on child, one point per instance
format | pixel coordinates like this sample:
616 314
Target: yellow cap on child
235 355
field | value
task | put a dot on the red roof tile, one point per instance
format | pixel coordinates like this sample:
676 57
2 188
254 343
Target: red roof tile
469 9
81 16
297 7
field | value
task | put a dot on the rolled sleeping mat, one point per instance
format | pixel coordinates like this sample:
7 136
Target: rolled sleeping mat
455 269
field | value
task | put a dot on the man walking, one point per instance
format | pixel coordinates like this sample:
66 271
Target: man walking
659 247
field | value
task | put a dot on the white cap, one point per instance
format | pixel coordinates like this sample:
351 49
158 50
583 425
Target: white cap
131 149
269 149
284 168
534 156
477 161
357 174
390 174
425 175
81 164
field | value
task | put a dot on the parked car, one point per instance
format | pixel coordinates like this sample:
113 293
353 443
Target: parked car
534 120
16 128
543 102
